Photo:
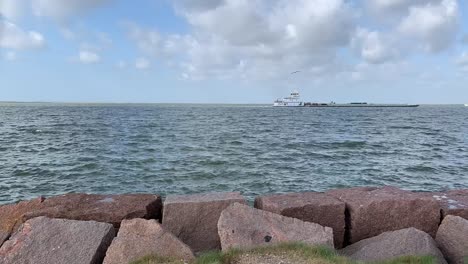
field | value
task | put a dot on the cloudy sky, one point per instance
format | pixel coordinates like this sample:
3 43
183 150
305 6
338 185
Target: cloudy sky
234 51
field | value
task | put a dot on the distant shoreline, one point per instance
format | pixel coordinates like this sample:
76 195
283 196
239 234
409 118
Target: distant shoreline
156 103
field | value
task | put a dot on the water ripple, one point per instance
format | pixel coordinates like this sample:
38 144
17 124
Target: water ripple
53 149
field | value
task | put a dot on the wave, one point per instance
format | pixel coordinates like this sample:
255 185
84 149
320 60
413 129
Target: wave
420 168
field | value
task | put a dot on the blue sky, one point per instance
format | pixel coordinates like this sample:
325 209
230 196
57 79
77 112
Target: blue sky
233 51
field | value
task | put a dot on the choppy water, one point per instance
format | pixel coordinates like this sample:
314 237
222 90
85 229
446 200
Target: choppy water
52 149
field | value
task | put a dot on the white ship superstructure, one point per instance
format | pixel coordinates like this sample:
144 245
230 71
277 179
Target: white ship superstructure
293 100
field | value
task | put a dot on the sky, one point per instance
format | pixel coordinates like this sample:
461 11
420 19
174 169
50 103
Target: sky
234 51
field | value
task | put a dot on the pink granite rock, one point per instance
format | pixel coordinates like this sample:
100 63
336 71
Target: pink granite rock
241 226
452 238
312 207
453 202
101 208
394 244
138 238
11 216
372 211
194 218
56 241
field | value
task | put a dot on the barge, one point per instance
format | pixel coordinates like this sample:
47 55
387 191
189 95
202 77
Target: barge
294 100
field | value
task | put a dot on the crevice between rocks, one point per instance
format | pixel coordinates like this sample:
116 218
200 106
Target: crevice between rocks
348 227
6 239
441 212
104 247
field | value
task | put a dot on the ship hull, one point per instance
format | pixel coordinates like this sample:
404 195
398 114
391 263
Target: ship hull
280 104
361 105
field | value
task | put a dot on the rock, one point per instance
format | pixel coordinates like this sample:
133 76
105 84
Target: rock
101 208
138 238
372 211
56 241
76 206
11 216
241 226
453 202
312 207
452 238
394 244
194 218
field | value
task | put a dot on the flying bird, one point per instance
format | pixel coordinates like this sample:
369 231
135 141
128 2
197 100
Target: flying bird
295 72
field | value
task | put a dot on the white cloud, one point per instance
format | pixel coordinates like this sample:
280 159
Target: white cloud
462 60
13 37
389 71
88 57
94 46
152 43
147 40
142 63
239 22
395 7
9 56
88 40
121 64
374 47
91 45
197 5
260 38
68 33
60 9
12 9
434 26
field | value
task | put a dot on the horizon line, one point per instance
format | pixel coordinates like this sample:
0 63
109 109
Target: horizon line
180 103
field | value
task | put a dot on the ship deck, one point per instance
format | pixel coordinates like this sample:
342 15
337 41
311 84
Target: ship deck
359 105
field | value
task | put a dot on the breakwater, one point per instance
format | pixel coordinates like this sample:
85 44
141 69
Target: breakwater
121 228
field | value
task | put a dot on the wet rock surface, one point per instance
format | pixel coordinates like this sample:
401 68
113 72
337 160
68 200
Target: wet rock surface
372 211
56 241
241 226
138 238
312 207
194 218
452 238
390 245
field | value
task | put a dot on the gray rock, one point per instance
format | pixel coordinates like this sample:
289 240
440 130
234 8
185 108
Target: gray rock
373 211
312 207
241 226
390 245
57 241
452 238
194 218
138 238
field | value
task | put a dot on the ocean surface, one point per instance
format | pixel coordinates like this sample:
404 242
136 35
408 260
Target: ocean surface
50 149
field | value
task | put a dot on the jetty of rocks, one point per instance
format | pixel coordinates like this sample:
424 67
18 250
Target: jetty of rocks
364 224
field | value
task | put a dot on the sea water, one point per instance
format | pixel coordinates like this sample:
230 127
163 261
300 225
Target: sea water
50 149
